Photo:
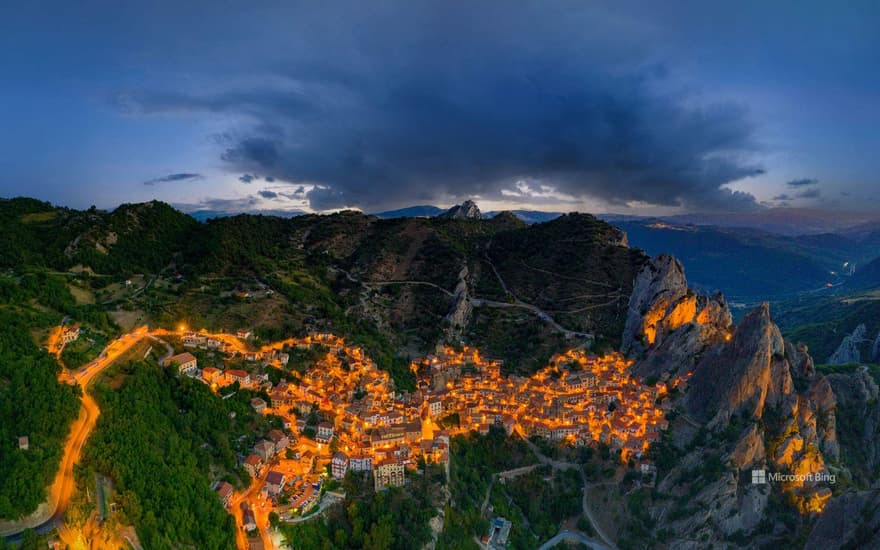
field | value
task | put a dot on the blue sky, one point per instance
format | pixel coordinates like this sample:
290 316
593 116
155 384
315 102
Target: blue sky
634 107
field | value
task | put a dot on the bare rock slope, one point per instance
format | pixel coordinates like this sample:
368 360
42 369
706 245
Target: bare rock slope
753 401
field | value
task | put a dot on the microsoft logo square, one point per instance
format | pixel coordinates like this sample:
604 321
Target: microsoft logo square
759 477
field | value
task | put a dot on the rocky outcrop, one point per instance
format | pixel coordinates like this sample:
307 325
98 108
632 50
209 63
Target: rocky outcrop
669 319
851 520
659 285
817 419
752 376
857 396
801 362
875 350
461 310
750 447
848 351
742 375
467 210
759 395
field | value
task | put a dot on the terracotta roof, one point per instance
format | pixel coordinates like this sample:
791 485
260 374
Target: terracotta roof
181 358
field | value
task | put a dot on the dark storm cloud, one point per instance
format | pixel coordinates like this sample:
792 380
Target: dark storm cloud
803 182
246 178
267 194
783 197
171 178
256 151
418 104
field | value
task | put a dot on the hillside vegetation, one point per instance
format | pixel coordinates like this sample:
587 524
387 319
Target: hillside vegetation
32 404
387 285
822 323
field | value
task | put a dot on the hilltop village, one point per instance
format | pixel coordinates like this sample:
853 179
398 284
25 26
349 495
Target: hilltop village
344 414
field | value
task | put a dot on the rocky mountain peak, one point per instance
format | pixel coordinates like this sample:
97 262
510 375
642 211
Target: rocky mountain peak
659 287
848 351
468 210
661 303
740 378
740 374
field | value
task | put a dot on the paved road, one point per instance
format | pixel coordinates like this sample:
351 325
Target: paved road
560 465
50 515
570 535
326 502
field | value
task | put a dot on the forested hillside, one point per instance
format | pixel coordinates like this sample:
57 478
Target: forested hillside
398 287
163 440
32 404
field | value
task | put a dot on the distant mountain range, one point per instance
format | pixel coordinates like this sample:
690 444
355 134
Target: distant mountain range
775 253
787 221
205 215
747 264
430 211
782 221
418 211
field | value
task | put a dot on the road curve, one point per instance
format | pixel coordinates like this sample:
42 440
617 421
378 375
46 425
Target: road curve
50 514
563 535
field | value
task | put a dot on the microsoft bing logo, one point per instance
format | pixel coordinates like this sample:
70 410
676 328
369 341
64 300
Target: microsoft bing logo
759 477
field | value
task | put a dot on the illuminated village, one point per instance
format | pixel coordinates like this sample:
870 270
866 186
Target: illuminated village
344 414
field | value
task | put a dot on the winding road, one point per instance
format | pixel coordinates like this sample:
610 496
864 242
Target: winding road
50 514
560 465
570 535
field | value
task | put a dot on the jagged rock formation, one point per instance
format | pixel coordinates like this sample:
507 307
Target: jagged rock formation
851 520
670 322
752 377
875 351
460 314
660 301
467 210
848 352
857 395
758 397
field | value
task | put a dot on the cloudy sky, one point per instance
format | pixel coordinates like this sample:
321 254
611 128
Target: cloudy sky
632 107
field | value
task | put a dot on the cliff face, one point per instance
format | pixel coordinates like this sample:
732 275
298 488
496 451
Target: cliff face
857 395
875 349
668 325
659 290
752 377
848 351
757 398
850 521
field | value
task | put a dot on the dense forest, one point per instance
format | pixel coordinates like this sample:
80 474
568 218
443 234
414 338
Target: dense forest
473 460
32 404
158 437
394 519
